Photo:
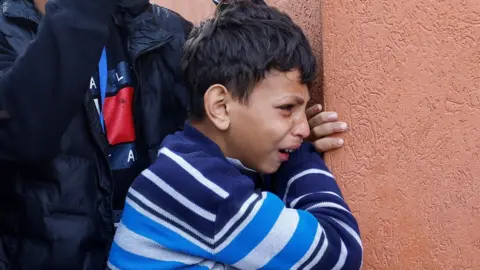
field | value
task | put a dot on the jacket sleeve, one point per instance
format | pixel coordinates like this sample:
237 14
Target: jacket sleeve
42 89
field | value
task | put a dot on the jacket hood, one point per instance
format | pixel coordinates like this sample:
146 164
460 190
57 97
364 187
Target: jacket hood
130 8
20 9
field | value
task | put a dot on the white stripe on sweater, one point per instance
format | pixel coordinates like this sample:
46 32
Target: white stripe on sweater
294 202
342 258
145 247
302 174
319 255
178 231
169 216
178 196
242 226
316 240
351 231
327 205
111 266
195 173
275 241
237 216
215 265
207 263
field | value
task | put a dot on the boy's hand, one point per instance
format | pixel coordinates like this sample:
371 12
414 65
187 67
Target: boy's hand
322 126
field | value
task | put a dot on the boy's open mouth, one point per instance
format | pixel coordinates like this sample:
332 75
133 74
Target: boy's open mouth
286 151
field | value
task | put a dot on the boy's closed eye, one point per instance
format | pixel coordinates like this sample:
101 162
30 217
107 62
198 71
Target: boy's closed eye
287 107
290 105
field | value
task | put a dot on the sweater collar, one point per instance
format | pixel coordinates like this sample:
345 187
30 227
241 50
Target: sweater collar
193 134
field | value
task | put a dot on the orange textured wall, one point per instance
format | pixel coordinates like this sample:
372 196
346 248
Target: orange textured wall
406 77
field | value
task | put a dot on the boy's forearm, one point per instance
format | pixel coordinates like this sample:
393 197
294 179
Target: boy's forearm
306 184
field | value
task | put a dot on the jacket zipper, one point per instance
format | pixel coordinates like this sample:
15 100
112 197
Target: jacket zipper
138 86
99 143
105 155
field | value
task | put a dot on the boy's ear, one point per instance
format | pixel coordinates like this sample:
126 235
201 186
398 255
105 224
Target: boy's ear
216 101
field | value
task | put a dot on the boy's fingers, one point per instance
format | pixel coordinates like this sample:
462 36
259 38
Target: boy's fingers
313 110
327 129
322 118
328 144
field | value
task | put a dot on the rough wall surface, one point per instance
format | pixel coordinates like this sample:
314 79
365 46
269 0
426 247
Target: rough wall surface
406 77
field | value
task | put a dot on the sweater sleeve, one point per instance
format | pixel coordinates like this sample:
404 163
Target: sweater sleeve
306 184
309 227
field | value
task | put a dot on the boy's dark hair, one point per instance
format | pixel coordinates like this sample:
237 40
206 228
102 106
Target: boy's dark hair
238 47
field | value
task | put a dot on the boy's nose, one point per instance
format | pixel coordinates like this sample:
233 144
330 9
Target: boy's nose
302 129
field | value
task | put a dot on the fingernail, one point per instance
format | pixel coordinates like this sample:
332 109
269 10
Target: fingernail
343 126
340 142
333 117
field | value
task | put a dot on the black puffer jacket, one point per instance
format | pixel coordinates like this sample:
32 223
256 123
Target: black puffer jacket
55 183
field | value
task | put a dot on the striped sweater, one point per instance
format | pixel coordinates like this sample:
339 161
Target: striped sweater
194 209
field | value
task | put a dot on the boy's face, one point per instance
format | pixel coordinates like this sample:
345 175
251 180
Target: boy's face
270 124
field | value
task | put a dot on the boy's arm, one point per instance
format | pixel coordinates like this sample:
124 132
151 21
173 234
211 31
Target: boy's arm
42 89
312 228
182 212
169 216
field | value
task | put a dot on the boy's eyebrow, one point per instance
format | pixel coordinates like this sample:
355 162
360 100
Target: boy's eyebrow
296 99
301 100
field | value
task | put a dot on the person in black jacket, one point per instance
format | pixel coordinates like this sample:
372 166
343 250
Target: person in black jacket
88 91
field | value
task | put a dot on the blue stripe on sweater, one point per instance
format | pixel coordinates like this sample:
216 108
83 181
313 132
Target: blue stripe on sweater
149 228
171 221
171 204
254 232
298 245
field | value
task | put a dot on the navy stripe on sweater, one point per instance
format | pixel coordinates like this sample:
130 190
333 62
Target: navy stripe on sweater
195 209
